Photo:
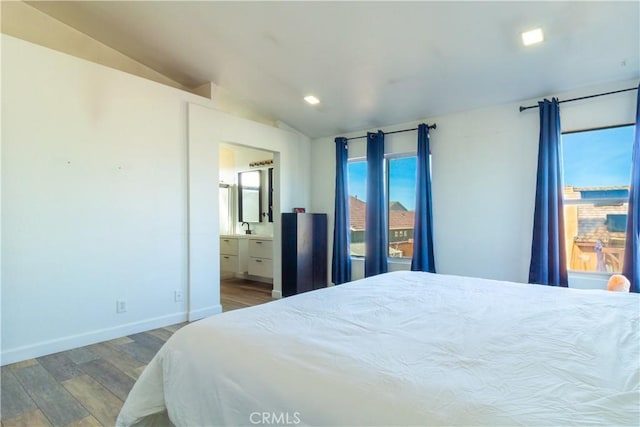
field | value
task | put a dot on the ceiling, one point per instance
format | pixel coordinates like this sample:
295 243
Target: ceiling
371 64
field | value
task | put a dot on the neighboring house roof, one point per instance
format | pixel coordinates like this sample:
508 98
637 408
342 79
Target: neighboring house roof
357 212
398 219
396 206
593 218
401 220
573 193
613 187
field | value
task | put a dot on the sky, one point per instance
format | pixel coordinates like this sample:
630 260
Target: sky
598 158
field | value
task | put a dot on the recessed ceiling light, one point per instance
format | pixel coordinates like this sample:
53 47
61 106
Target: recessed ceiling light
532 37
312 99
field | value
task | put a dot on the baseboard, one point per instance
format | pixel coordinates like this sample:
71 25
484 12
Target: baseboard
44 348
276 294
204 312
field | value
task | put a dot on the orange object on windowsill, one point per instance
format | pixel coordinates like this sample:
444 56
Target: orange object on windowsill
618 283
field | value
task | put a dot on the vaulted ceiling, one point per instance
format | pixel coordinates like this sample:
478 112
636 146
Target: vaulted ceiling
371 64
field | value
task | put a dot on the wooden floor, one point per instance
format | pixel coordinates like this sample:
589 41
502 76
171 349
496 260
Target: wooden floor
87 386
238 293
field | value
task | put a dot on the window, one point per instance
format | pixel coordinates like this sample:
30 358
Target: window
401 179
357 175
401 183
597 174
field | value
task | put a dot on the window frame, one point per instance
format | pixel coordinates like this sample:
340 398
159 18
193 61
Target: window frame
387 158
602 200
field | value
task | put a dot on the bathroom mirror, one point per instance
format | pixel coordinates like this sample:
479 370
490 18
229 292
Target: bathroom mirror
249 199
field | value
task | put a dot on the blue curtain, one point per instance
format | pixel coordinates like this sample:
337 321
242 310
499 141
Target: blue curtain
423 229
341 262
631 265
548 261
375 234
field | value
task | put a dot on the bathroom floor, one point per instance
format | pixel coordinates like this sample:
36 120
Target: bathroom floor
240 293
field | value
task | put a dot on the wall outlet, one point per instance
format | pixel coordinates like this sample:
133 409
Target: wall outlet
178 296
121 306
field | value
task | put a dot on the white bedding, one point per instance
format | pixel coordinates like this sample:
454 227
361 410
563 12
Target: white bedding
404 348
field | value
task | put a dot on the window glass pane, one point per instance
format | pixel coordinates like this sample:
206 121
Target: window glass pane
598 158
401 181
402 194
597 166
595 235
357 172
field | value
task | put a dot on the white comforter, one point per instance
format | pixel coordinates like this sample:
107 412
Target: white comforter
404 348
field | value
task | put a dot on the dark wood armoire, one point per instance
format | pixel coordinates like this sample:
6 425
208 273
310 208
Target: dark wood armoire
304 252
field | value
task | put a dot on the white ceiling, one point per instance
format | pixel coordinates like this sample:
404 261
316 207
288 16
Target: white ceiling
371 63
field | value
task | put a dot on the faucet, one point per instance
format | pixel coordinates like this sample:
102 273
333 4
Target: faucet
248 230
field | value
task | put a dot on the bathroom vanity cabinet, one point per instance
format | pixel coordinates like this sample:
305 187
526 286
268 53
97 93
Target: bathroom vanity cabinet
261 257
242 256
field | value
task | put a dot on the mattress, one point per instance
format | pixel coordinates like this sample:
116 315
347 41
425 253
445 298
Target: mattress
403 348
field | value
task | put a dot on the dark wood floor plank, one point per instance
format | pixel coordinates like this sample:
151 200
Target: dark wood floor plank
119 341
15 400
81 355
102 404
175 327
23 364
148 340
60 366
54 401
112 378
161 333
33 418
117 358
138 351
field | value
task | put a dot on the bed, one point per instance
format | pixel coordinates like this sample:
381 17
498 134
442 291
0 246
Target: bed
403 348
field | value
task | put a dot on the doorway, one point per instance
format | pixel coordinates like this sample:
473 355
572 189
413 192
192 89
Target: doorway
246 225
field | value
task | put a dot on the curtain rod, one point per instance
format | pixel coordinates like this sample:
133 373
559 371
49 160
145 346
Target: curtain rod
582 97
433 126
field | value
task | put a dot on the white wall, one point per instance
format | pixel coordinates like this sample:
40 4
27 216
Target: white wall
484 178
207 129
95 173
227 164
94 201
